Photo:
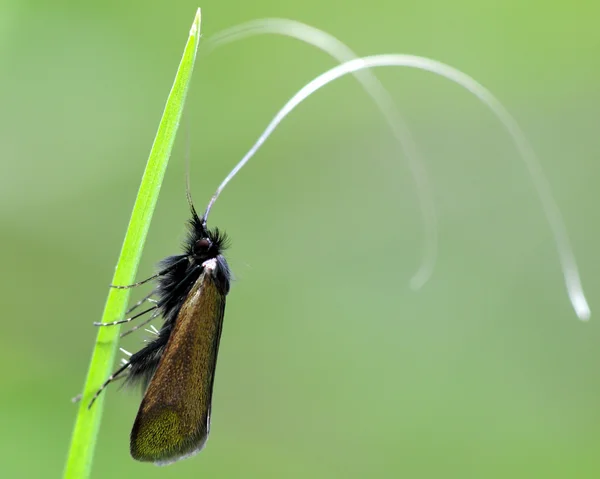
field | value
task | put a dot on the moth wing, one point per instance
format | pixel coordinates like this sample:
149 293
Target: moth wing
173 421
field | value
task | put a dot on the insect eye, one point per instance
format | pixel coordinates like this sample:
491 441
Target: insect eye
203 244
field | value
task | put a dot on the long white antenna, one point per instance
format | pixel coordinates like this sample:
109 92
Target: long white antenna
340 52
563 246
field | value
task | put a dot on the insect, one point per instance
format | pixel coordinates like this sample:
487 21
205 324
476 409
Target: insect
176 369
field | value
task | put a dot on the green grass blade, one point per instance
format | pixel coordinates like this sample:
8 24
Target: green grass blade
83 441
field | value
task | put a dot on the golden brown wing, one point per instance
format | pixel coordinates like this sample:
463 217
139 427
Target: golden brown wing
173 421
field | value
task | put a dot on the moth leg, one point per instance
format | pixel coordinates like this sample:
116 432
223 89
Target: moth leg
142 324
139 283
78 398
126 320
142 301
111 378
160 273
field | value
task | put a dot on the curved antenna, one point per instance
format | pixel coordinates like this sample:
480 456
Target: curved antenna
559 231
340 52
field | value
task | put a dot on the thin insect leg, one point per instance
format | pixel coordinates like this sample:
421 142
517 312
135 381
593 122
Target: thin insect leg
78 398
160 273
110 379
142 324
126 320
140 302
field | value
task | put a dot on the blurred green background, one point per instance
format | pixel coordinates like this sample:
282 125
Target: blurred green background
330 365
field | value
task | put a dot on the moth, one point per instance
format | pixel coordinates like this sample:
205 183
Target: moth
176 369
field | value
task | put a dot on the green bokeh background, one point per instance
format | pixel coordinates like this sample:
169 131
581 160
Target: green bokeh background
330 365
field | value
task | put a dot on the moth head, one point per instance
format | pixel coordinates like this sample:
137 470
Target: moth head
206 244
203 249
202 243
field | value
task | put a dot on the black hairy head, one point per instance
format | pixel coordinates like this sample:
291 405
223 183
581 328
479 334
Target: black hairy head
201 243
